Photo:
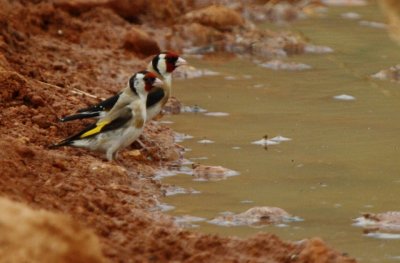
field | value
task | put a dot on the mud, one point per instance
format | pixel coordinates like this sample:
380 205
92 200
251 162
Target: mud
25 236
62 56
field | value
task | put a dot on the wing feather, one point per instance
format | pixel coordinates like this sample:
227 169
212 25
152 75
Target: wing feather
155 96
104 105
103 125
109 124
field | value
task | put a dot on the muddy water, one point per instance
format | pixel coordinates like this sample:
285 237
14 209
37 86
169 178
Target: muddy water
343 159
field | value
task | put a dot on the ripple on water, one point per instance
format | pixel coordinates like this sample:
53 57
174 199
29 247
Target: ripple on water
159 174
373 24
180 137
344 97
190 72
351 15
193 109
166 122
211 173
198 158
379 235
230 78
265 142
281 65
273 141
258 86
314 49
187 221
280 138
216 114
205 141
163 207
172 190
246 201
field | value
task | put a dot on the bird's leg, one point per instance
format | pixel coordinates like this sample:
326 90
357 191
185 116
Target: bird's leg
142 145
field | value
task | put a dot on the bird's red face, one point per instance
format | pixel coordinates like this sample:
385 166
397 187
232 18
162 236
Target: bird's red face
172 61
151 81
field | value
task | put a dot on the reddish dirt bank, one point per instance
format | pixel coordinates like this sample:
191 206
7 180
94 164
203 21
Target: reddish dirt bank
51 55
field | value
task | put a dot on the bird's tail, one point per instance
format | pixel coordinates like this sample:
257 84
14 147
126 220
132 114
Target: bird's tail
60 144
79 116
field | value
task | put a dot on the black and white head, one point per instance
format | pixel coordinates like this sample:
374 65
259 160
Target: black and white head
143 82
166 62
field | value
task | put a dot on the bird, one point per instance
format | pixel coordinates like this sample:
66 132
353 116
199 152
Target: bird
120 127
163 65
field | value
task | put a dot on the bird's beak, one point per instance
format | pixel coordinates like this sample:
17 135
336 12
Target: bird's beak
158 83
181 62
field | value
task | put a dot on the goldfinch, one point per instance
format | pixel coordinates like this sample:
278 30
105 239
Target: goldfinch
163 65
121 126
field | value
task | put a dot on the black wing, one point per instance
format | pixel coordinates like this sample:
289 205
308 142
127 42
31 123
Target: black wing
81 115
155 96
98 127
104 105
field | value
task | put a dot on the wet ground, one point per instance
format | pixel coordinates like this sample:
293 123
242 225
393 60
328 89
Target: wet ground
343 156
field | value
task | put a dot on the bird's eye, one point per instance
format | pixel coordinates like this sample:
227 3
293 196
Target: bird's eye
172 60
150 80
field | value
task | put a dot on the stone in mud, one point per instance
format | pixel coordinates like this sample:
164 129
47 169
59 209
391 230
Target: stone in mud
392 73
388 222
141 43
215 16
270 44
29 235
211 173
255 216
160 143
173 106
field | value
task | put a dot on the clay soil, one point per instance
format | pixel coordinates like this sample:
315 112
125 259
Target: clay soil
79 207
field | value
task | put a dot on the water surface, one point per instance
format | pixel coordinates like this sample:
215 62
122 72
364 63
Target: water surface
343 159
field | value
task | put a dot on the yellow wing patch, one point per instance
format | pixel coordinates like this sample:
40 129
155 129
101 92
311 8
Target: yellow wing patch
95 130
